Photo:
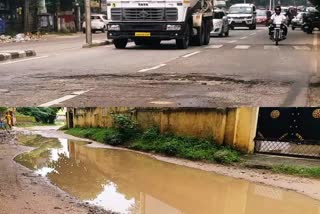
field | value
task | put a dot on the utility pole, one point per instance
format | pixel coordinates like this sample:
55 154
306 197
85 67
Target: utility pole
78 15
88 22
26 15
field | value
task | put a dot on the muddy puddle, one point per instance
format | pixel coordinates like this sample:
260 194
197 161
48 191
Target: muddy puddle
127 182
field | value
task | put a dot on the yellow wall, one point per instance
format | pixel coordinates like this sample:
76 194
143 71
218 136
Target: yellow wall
232 126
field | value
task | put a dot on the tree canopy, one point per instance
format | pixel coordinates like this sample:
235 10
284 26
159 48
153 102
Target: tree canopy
44 115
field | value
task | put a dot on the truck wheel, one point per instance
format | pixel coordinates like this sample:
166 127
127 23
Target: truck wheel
120 43
206 33
199 38
184 42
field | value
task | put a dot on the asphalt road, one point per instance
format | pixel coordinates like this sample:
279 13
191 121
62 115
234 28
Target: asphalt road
243 69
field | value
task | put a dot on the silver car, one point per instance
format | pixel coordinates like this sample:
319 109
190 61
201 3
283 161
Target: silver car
220 24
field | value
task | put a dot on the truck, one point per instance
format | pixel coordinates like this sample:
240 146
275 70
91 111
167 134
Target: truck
148 22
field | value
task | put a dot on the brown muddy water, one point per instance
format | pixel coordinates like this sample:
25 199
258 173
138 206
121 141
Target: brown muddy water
132 183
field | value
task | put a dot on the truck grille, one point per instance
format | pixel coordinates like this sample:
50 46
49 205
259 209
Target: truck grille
116 14
156 14
144 14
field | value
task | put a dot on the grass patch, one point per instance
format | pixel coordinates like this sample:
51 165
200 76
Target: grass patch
167 144
297 170
96 134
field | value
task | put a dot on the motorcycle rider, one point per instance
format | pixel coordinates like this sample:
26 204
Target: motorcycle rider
278 18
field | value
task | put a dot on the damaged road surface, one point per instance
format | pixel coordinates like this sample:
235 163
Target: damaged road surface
22 191
131 183
243 69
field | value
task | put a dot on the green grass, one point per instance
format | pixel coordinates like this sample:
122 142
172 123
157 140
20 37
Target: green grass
96 134
167 144
26 125
298 170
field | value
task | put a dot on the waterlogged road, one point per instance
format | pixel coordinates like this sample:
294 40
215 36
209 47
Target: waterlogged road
243 69
133 183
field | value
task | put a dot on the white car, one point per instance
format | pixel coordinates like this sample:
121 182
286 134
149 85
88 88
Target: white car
98 23
220 24
242 15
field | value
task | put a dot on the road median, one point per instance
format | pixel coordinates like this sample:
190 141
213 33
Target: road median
16 54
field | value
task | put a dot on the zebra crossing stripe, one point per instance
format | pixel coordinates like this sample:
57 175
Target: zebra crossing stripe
242 47
214 46
303 48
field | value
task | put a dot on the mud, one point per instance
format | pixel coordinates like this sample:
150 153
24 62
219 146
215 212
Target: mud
23 192
133 183
306 186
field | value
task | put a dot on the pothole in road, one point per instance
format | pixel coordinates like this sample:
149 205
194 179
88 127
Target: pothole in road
174 78
131 183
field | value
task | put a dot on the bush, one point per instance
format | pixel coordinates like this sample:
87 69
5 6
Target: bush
226 156
43 115
126 127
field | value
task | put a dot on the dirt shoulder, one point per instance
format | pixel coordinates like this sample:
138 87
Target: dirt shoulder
21 191
307 186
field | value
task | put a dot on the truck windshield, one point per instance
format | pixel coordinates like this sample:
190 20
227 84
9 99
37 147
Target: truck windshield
240 10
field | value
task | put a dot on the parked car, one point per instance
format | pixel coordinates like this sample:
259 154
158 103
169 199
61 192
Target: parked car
242 15
297 21
220 24
261 17
98 23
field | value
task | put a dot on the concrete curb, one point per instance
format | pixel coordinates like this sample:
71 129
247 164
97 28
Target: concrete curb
315 81
7 55
97 44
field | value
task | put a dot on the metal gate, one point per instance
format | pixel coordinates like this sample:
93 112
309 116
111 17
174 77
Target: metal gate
289 131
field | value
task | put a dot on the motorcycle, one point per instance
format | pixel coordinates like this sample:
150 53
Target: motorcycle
277 33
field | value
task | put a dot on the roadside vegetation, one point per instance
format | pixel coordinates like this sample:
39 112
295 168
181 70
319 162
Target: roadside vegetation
298 170
37 116
125 133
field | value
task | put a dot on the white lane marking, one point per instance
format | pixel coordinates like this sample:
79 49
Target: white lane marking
62 99
232 41
23 60
271 47
152 68
253 34
303 48
162 102
214 46
244 37
191 54
242 47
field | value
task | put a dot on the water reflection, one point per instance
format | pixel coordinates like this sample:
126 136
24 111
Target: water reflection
127 182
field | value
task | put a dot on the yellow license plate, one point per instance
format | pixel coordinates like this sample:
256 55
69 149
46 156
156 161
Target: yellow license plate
142 34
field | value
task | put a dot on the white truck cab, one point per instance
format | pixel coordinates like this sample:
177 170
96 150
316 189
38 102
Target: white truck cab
147 22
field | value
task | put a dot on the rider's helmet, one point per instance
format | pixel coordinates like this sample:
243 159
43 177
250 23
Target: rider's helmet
277 10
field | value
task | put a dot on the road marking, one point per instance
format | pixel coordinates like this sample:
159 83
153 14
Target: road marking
153 68
242 47
244 37
214 46
232 41
191 54
271 47
65 98
162 102
253 34
23 60
303 48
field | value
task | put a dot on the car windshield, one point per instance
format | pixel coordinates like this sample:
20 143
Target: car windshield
261 12
104 17
240 10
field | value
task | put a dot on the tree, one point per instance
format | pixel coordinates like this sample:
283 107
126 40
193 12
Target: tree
41 114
